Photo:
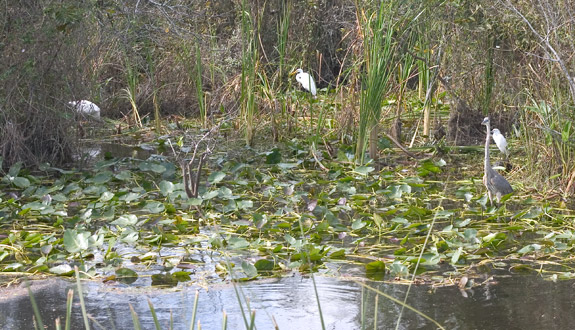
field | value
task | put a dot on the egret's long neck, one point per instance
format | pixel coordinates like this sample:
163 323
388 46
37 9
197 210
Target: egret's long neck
487 164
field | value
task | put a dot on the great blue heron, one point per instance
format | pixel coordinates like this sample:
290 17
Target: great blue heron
500 142
496 184
306 81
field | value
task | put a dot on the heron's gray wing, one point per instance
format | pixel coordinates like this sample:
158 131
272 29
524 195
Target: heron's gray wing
500 184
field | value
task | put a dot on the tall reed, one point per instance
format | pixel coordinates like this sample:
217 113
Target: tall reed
404 69
282 34
198 83
548 135
249 67
151 63
131 90
377 29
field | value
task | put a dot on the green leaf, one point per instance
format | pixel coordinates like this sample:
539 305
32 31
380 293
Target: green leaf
74 241
101 177
216 177
533 213
123 176
126 220
152 167
377 219
250 270
245 204
154 207
15 169
357 224
264 265
130 237
375 270
238 243
226 193
364 170
129 197
287 166
259 219
63 269
274 156
166 280
398 269
106 196
166 187
456 255
21 182
210 194
182 276
126 275
339 254
530 248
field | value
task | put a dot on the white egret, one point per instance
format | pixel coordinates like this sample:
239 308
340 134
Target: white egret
500 141
306 81
84 107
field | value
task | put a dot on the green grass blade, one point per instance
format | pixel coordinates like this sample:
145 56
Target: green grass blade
252 320
193 323
81 295
375 312
69 302
38 324
135 319
224 321
154 316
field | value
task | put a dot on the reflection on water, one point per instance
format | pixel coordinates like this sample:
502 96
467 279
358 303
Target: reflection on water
514 302
113 150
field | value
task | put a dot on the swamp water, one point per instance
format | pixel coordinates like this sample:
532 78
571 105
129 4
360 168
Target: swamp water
505 302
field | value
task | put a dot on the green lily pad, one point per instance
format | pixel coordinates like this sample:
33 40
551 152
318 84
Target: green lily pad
375 270
216 177
76 242
250 270
166 187
126 275
63 269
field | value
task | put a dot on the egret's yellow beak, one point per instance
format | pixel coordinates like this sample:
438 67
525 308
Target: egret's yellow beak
292 73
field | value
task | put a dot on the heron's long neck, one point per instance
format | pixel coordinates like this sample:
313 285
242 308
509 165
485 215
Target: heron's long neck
487 164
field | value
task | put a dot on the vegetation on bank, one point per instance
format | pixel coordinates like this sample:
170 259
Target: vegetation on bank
147 60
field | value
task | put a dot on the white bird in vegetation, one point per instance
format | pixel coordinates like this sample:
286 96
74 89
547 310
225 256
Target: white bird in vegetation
84 107
306 81
500 141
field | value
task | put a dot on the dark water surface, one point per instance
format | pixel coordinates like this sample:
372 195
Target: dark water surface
508 302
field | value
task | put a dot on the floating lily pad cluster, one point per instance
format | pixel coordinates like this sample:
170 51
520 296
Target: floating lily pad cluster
270 213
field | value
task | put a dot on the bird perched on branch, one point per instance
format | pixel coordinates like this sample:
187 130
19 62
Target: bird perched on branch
496 185
86 108
500 142
306 81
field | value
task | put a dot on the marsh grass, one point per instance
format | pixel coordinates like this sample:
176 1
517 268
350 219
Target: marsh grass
249 60
543 121
151 72
131 90
282 43
198 83
378 38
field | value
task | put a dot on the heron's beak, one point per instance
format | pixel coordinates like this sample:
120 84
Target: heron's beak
293 73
